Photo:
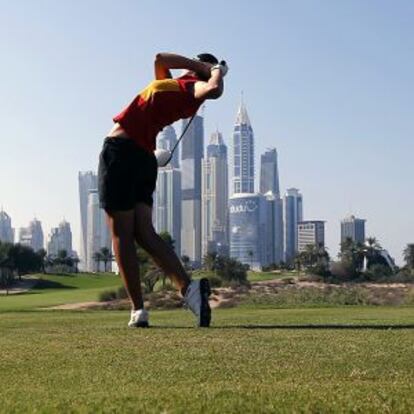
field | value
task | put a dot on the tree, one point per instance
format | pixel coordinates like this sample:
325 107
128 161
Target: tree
97 257
250 253
352 257
43 259
409 255
231 270
106 256
76 261
24 259
209 261
6 273
186 262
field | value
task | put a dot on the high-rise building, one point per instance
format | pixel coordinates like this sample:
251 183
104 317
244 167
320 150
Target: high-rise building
60 238
311 232
88 180
353 228
192 149
32 236
167 139
6 229
243 153
274 228
269 174
167 204
215 197
249 236
98 235
293 215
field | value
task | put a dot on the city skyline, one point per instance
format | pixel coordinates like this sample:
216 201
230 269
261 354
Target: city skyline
334 102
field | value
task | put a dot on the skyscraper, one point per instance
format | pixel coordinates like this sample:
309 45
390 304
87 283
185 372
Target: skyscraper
274 228
311 232
87 181
269 174
167 204
215 197
60 238
243 153
6 229
166 139
248 229
192 149
97 235
293 215
353 228
32 236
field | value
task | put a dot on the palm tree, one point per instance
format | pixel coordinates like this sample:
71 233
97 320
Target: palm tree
209 261
409 255
250 254
97 257
106 256
76 261
43 259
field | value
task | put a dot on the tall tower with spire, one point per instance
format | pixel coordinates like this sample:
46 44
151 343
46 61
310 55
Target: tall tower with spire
243 153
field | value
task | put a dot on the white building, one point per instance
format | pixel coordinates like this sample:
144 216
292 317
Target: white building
60 238
87 180
98 235
167 139
214 189
311 232
167 204
32 236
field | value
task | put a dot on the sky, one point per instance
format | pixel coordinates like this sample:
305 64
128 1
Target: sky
330 84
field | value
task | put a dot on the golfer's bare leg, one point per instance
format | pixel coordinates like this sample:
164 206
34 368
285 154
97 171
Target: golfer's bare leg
161 252
121 224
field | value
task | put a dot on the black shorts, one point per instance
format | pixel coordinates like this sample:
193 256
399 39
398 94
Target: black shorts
126 175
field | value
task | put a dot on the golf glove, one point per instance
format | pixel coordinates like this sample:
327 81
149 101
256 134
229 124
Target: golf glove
222 66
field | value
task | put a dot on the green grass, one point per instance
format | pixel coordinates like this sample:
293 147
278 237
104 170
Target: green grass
61 289
255 358
260 276
66 361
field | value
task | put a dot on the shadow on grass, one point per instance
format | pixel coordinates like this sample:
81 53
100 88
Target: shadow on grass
383 327
50 284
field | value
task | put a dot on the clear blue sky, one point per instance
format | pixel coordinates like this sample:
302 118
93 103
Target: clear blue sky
329 83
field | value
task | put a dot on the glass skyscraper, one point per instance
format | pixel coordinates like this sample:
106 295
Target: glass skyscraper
192 151
243 153
293 215
269 174
353 228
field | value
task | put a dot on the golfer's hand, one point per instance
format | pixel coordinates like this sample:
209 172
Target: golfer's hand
222 67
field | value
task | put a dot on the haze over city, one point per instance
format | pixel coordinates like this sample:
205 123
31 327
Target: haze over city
335 102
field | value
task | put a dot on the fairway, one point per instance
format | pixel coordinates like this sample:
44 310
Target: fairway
251 360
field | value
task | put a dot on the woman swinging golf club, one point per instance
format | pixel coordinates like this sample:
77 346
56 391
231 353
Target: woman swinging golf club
128 173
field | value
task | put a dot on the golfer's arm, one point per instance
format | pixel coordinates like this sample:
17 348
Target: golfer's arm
166 61
212 89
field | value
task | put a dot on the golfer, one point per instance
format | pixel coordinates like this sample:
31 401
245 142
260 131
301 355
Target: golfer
127 175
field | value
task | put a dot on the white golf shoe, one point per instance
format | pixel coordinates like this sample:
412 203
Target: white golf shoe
139 319
196 299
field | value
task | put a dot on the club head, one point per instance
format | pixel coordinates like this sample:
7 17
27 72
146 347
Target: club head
163 157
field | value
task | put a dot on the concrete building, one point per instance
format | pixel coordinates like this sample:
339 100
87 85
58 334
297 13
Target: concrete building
192 149
98 235
248 229
167 204
60 238
293 215
311 232
243 153
274 229
6 229
215 197
32 235
353 228
167 139
87 180
269 173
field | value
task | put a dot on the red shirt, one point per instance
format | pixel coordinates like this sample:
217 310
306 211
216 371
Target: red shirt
160 104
